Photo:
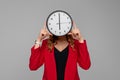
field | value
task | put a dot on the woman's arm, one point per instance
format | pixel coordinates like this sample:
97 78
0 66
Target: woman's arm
37 56
83 55
37 52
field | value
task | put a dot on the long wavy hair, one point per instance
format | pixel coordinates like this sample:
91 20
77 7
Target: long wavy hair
52 41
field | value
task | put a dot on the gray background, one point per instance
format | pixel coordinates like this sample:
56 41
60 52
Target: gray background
21 21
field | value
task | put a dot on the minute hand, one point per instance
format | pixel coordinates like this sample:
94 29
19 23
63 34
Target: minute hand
59 22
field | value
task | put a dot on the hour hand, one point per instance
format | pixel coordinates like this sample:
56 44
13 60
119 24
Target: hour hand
63 23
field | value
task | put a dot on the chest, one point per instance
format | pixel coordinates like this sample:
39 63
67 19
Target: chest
61 56
69 55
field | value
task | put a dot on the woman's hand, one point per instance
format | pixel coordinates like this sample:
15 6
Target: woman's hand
43 33
75 32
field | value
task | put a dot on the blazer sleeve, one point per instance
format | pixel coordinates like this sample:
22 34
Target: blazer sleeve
36 59
83 58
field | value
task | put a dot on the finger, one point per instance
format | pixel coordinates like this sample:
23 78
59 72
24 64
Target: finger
44 27
72 30
74 25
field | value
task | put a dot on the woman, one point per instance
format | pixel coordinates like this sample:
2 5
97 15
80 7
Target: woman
60 55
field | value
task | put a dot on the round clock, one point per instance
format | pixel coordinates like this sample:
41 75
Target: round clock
59 23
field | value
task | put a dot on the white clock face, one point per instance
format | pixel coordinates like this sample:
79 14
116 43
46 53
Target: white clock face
59 23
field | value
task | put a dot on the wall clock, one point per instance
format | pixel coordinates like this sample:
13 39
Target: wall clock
59 23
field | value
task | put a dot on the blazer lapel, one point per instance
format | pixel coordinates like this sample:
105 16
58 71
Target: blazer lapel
69 69
53 66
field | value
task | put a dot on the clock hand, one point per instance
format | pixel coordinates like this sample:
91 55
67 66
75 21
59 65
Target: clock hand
59 21
64 22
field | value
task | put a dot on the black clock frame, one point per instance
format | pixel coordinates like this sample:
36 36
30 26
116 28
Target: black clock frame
55 12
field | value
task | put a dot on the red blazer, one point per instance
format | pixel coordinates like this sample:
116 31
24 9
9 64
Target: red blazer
42 56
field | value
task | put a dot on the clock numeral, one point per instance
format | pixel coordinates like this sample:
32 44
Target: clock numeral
54 15
49 23
64 31
55 31
67 17
68 27
51 18
51 28
59 32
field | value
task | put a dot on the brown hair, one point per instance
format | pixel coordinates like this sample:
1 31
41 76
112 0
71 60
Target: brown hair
52 41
